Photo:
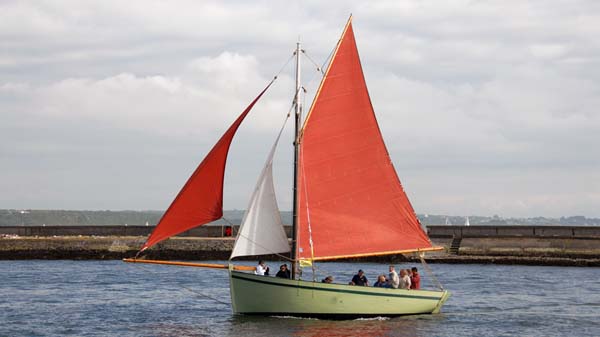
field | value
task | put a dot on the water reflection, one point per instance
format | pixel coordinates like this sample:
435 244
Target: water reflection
373 327
418 325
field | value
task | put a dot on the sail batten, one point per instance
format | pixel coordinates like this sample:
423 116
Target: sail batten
348 184
200 201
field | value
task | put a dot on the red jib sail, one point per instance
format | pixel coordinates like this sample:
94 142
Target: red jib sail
351 202
200 201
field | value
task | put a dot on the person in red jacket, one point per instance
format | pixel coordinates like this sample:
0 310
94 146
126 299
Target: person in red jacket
415 279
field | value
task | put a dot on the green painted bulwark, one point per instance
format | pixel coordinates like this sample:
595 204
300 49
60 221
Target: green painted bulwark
253 294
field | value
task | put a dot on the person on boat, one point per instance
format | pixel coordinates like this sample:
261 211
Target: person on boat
381 282
360 279
404 280
415 279
283 272
328 279
262 269
393 279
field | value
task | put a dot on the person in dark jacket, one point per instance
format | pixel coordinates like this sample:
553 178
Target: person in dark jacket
283 272
360 279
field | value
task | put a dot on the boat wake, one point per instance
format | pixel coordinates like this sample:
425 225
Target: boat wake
378 318
295 317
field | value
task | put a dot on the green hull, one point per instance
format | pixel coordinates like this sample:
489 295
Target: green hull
253 294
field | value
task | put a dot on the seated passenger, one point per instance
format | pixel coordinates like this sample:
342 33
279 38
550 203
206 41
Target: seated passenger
328 279
360 279
393 279
261 269
415 279
404 280
283 272
381 282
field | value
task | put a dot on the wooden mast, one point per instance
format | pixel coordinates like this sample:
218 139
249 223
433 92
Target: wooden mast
298 115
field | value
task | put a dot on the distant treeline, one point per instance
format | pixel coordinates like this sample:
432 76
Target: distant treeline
499 221
15 217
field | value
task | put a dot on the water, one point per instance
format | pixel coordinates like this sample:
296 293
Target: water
100 298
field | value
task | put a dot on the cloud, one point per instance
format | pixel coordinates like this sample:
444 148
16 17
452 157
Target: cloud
486 107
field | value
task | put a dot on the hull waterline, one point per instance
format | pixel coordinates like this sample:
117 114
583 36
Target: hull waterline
263 295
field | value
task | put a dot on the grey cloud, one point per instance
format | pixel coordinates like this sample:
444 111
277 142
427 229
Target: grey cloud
486 107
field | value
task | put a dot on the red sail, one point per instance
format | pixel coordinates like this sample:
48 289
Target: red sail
200 201
349 193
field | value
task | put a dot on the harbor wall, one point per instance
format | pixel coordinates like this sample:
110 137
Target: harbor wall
536 241
209 231
555 245
220 230
513 231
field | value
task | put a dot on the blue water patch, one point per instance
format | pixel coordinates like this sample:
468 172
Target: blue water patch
100 298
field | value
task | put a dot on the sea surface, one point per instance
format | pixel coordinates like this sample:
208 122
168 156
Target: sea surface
112 298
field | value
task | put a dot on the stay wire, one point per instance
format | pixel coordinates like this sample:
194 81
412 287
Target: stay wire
285 65
319 68
429 271
186 288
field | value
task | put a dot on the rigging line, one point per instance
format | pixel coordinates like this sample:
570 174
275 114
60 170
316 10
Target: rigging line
185 287
305 86
197 293
229 222
285 65
429 271
319 68
265 248
310 240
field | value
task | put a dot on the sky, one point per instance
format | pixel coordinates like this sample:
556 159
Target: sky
486 107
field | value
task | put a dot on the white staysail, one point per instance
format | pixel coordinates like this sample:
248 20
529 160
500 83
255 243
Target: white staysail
467 222
262 230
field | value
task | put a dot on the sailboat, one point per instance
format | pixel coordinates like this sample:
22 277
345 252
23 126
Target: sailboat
348 202
467 223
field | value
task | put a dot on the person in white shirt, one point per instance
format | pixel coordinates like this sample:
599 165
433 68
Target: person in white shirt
393 279
261 269
404 280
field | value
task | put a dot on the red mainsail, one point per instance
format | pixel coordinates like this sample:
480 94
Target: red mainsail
351 202
200 201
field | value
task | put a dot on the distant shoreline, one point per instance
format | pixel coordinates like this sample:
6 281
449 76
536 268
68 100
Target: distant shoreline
189 248
40 217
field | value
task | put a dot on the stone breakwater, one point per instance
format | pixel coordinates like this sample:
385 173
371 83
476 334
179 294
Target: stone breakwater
112 247
195 248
